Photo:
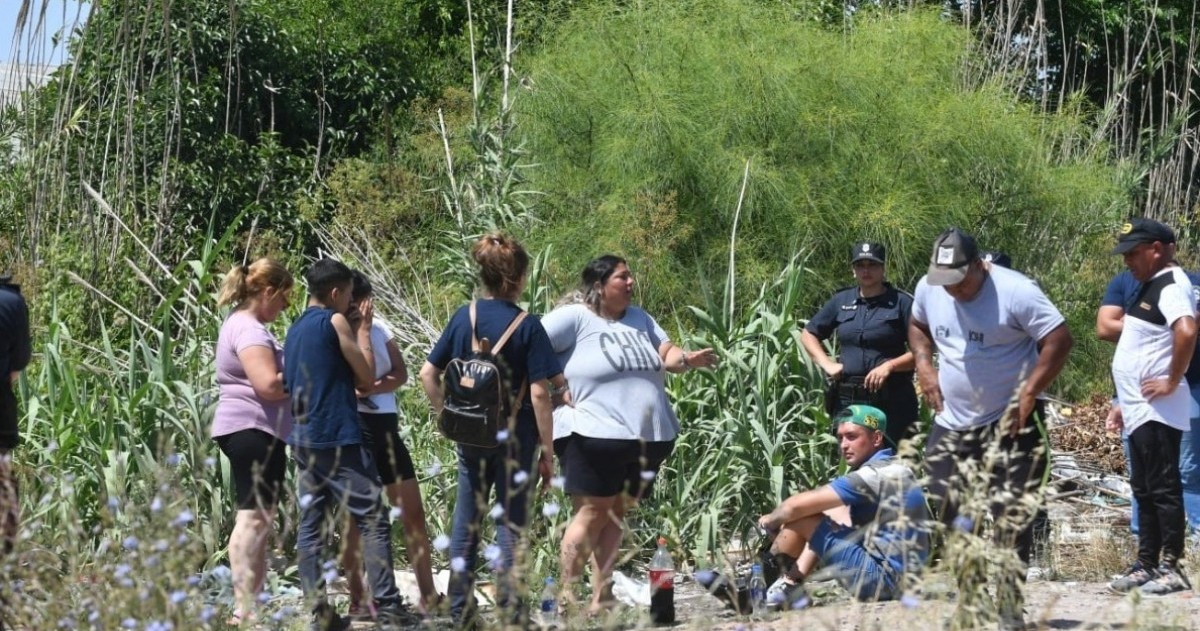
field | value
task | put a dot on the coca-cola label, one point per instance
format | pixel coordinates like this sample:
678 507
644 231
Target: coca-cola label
662 579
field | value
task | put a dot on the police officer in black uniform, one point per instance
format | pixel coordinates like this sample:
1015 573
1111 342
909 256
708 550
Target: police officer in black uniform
870 319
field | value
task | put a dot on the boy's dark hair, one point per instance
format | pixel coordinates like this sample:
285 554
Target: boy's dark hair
362 286
325 275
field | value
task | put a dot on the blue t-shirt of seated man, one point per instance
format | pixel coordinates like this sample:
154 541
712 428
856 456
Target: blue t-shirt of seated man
1123 289
526 357
887 506
320 383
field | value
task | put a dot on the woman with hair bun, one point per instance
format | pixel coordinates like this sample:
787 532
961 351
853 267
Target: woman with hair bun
526 358
253 417
619 427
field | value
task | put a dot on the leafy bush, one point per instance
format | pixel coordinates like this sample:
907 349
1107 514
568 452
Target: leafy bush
642 118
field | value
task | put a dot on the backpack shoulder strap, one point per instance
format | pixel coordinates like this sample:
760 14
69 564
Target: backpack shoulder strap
474 336
508 332
518 402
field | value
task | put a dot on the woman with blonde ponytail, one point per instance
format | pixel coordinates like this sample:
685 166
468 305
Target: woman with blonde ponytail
253 417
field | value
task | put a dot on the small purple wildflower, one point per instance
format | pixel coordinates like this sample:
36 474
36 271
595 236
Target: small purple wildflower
184 518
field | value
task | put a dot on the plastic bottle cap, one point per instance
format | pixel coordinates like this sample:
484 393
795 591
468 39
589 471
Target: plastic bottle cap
549 580
662 541
756 568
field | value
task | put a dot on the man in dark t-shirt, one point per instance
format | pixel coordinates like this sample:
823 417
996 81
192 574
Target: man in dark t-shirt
15 351
325 358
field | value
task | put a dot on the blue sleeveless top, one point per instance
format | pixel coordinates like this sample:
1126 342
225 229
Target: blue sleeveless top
320 383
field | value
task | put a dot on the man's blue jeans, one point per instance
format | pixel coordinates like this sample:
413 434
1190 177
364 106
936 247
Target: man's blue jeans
1189 468
342 478
509 469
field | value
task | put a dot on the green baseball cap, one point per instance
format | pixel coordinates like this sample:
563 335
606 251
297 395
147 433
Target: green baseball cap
863 415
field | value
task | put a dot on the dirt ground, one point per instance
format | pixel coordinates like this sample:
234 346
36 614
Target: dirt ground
1090 540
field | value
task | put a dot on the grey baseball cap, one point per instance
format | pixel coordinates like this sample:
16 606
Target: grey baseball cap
953 251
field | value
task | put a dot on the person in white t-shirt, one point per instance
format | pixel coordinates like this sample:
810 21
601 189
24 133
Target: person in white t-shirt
1000 343
379 421
1157 340
620 427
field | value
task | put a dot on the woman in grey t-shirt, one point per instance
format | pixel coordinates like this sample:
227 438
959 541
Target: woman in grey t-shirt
620 427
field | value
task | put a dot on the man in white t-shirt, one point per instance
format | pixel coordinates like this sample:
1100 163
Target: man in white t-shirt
1000 343
1157 340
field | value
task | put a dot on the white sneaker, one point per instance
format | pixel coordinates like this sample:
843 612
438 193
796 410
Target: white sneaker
783 594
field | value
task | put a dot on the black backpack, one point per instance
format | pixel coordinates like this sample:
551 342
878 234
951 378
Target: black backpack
475 398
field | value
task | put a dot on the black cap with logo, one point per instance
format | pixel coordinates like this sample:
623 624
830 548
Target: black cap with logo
867 251
996 257
1141 230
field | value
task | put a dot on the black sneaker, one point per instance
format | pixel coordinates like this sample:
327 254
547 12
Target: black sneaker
1133 578
324 618
735 594
1168 581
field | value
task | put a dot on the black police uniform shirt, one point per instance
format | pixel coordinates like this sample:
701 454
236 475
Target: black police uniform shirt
870 331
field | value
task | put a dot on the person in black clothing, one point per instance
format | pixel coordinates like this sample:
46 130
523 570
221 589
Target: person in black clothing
15 351
875 366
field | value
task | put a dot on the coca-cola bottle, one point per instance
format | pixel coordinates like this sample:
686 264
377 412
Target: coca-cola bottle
662 585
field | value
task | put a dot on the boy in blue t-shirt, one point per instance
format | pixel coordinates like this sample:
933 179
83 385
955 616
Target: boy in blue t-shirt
325 359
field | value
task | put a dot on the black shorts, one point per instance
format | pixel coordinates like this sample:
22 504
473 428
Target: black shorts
606 467
381 437
258 462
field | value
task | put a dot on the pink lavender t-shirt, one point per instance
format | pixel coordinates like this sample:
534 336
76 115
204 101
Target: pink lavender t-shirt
238 407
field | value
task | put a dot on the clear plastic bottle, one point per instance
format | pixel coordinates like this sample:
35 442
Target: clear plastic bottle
758 590
549 603
662 585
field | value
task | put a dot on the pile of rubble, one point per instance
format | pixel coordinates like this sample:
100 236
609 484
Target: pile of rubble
1078 431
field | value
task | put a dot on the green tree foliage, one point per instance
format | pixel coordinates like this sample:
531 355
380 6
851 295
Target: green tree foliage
1131 63
186 115
643 119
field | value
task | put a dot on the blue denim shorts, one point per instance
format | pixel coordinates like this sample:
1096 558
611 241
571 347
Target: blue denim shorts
864 575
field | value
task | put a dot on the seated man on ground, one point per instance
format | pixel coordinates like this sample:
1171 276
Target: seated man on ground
868 527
